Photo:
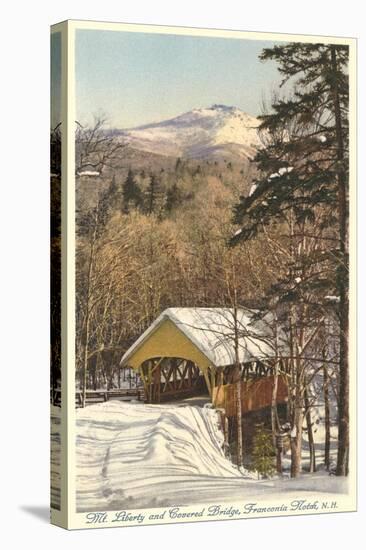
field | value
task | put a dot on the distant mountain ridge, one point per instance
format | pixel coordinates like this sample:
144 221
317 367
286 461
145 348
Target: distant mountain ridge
218 131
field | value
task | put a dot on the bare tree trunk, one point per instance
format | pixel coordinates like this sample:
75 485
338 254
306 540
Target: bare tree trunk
309 426
95 377
295 397
87 315
85 358
275 421
239 424
238 388
296 437
342 279
326 417
274 415
279 460
298 411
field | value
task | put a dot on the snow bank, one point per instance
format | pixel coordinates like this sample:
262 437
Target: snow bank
144 455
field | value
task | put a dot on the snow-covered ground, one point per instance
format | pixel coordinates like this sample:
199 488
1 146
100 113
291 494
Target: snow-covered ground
131 455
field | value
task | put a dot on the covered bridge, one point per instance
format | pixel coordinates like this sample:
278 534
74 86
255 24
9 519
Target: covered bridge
192 351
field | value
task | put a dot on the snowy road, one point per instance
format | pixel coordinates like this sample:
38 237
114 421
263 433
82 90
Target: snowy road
136 456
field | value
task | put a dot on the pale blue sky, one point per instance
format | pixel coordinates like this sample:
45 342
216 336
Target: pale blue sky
137 78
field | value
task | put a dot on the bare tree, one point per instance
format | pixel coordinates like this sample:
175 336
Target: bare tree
95 147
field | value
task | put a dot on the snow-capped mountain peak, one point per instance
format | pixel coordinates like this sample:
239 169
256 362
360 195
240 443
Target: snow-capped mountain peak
219 131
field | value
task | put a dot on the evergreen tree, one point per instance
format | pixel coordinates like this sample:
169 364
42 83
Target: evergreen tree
131 193
173 197
263 453
152 195
304 182
178 164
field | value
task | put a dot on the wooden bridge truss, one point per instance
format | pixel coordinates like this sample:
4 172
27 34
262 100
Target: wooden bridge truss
171 378
167 378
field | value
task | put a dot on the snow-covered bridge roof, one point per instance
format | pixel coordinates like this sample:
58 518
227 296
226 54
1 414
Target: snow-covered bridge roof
212 330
